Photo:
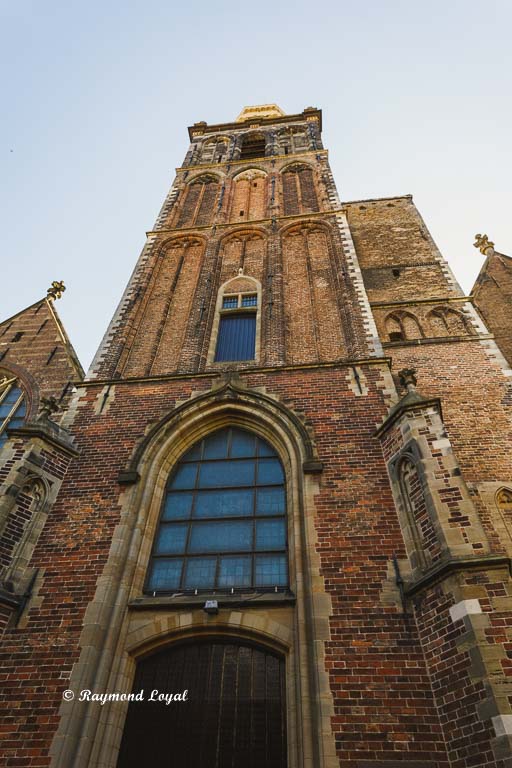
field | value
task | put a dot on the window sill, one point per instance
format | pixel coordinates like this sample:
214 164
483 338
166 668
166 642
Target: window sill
242 600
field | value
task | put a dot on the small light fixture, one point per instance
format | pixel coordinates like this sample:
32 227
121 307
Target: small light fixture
211 606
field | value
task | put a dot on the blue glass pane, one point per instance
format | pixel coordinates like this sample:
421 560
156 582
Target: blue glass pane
200 573
270 471
194 454
224 503
177 506
5 409
270 501
242 444
12 396
221 536
235 572
237 337
270 534
250 301
264 449
229 302
165 574
21 411
185 476
216 446
171 539
271 571
15 422
226 473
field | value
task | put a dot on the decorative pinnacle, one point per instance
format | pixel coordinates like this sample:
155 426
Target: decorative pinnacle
484 245
408 379
49 406
56 290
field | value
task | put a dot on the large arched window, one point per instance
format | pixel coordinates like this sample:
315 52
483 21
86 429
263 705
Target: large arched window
223 522
12 405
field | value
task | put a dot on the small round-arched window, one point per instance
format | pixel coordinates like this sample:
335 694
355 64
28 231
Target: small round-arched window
12 405
223 522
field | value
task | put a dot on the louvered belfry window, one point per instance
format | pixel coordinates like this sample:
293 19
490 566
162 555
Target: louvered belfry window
236 339
234 715
12 405
223 523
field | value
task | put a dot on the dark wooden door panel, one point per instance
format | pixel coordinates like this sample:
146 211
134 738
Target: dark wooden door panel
234 716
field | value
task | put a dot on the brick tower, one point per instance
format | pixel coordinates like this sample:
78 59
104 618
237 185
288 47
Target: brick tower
292 499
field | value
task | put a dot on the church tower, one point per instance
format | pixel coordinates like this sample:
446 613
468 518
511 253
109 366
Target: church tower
291 507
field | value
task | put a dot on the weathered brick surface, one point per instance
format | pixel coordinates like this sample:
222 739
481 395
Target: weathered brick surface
492 294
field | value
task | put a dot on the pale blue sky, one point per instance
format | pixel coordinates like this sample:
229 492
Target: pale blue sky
416 98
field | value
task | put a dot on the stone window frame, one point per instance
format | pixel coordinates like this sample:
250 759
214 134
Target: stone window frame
504 490
188 554
220 311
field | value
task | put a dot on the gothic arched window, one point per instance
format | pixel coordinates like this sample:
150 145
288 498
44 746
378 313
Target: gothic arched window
12 405
223 522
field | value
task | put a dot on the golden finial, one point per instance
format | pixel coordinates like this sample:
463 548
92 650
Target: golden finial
484 245
56 289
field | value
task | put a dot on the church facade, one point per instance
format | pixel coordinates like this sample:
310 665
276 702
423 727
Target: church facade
272 526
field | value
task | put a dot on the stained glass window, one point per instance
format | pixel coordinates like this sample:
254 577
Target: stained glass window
223 522
12 405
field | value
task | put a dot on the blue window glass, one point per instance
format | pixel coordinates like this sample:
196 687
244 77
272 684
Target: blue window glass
12 406
230 302
225 503
270 571
270 471
270 534
165 574
177 506
216 446
237 337
226 473
171 539
185 476
200 573
270 501
242 444
250 301
235 572
221 536
223 519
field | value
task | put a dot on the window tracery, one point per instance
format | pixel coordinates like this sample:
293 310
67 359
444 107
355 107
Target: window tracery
223 522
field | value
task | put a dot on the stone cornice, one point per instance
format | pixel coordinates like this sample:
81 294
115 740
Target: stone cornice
437 340
246 224
454 565
405 406
241 372
202 128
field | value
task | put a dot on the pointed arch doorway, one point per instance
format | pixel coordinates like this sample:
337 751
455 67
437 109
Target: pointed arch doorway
234 715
